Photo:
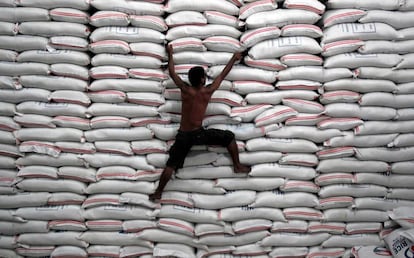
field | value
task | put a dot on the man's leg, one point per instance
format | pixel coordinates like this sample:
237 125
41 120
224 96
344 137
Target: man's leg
165 177
234 154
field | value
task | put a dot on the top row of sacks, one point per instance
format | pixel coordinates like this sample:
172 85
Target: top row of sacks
253 14
229 6
156 8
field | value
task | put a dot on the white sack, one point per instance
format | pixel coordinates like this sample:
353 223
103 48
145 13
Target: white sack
281 17
274 48
130 7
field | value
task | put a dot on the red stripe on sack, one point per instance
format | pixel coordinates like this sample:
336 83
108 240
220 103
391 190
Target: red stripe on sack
265 64
104 223
68 14
340 93
237 3
258 31
336 199
110 43
327 227
221 40
252 229
61 222
305 7
98 200
334 150
362 231
34 175
154 22
106 15
59 100
76 178
8 154
311 214
342 15
109 119
186 24
150 121
115 174
67 45
330 177
145 103
253 82
342 42
328 121
305 118
227 101
230 17
148 74
300 184
31 143
142 173
324 254
300 101
171 223
113 92
64 202
7 128
247 109
253 5
293 26
140 53
114 152
291 230
301 57
288 87
187 43
110 75
148 17
77 150
3 179
276 114
106 254
26 124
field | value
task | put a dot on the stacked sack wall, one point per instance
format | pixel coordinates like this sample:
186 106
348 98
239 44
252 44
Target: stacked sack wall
321 107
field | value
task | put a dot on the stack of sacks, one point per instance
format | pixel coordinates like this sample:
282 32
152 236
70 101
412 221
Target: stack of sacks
247 77
43 102
195 217
126 90
399 238
291 104
372 160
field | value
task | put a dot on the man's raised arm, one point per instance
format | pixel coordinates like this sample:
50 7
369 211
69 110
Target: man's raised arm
219 79
171 69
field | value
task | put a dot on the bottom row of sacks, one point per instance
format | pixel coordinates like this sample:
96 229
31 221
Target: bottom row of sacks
168 237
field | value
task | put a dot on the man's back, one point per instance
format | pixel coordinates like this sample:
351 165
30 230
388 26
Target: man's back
195 98
194 105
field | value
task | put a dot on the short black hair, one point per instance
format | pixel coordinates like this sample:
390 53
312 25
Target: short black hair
195 75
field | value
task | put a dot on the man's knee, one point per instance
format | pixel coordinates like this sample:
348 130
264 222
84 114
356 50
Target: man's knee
229 137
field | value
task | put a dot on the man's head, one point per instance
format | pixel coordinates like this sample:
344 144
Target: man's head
197 76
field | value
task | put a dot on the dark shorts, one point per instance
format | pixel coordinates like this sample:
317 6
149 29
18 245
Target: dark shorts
185 140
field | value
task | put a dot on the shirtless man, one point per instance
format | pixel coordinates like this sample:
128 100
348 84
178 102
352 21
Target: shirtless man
195 98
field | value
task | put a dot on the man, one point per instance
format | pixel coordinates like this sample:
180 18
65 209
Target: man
195 98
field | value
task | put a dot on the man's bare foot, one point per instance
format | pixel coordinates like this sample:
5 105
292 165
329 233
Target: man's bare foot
155 197
242 169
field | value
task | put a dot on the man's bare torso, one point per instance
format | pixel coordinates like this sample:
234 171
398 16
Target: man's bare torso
194 105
